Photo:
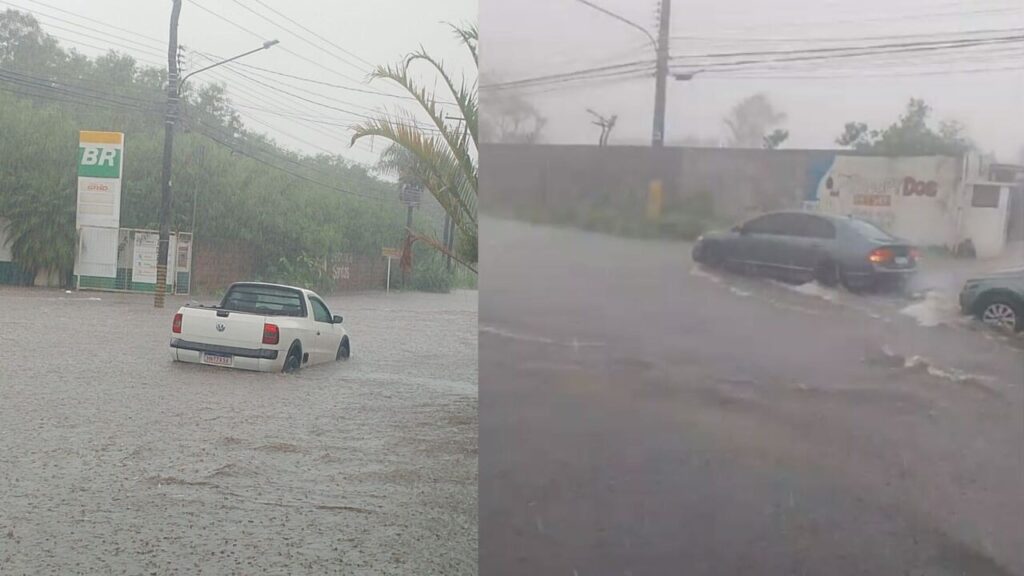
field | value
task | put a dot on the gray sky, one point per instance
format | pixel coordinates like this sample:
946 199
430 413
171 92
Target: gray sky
529 38
379 32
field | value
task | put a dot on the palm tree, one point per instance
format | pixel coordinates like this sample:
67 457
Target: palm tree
445 153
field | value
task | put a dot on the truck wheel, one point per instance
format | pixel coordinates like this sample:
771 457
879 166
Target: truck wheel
344 349
292 361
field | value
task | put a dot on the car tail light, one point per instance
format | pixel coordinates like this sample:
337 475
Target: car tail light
176 325
880 255
271 334
915 253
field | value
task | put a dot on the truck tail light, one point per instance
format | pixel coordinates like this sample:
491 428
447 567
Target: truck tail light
271 334
880 255
176 325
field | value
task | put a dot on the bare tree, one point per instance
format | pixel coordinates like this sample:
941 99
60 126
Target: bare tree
606 124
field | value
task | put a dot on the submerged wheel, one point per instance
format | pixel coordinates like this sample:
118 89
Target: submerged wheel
827 273
344 349
293 361
1004 313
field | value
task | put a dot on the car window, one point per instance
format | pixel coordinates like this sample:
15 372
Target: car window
865 228
268 300
320 311
767 224
817 227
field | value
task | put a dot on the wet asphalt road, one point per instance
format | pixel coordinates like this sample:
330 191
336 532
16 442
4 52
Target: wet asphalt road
114 460
640 416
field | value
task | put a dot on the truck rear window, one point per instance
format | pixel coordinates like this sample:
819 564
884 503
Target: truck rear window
266 300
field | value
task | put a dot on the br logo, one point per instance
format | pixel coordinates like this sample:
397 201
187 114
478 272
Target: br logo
92 156
912 187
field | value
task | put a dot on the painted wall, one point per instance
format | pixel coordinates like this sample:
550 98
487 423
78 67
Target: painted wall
917 198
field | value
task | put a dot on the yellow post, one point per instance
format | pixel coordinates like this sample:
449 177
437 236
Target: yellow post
654 198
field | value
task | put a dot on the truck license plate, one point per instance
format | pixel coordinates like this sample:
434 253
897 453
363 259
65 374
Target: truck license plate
217 359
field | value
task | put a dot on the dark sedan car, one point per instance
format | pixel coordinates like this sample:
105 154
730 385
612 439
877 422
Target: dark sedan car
996 299
803 246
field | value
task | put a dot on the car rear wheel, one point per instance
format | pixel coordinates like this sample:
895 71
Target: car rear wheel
827 273
293 361
1002 312
344 350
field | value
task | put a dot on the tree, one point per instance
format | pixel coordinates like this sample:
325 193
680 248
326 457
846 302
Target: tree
290 207
777 137
909 136
750 120
446 152
606 123
510 119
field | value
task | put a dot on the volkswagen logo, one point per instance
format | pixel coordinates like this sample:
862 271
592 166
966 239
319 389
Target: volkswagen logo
220 326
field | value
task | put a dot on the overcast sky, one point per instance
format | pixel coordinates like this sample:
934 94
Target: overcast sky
529 38
377 32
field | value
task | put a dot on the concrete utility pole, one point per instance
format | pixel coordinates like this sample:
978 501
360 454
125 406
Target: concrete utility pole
660 46
166 192
664 25
165 175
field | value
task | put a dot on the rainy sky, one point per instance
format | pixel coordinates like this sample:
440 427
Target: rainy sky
980 85
362 34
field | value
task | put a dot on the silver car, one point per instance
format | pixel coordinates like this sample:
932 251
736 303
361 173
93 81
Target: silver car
996 299
805 246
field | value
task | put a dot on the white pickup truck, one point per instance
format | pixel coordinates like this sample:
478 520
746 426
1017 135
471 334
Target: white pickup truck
258 326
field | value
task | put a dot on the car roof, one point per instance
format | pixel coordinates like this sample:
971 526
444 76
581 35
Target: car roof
271 285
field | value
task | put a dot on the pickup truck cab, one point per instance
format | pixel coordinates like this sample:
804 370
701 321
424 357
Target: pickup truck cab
259 326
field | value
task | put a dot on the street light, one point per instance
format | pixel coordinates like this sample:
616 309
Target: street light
173 94
266 46
686 76
660 45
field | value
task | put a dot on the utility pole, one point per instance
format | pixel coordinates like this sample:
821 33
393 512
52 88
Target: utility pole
165 175
664 25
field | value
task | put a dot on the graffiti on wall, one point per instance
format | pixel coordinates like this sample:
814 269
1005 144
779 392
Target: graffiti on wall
911 197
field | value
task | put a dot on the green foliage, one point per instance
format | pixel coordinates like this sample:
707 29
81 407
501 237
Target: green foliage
429 273
443 157
909 136
286 219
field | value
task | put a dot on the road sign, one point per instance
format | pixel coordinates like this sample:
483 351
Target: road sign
392 252
411 194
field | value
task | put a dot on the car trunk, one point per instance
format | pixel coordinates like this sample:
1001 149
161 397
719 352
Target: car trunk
893 256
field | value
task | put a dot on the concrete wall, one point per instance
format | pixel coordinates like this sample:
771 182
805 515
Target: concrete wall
518 179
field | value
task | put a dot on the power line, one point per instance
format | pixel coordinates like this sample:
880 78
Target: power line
623 68
848 53
157 41
811 39
303 38
238 150
37 15
314 34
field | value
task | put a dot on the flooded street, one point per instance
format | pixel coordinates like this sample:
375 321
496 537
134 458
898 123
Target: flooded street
639 414
114 460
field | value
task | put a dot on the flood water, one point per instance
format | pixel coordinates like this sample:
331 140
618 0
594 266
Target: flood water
114 460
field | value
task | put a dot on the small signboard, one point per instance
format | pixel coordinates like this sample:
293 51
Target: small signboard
391 252
411 194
